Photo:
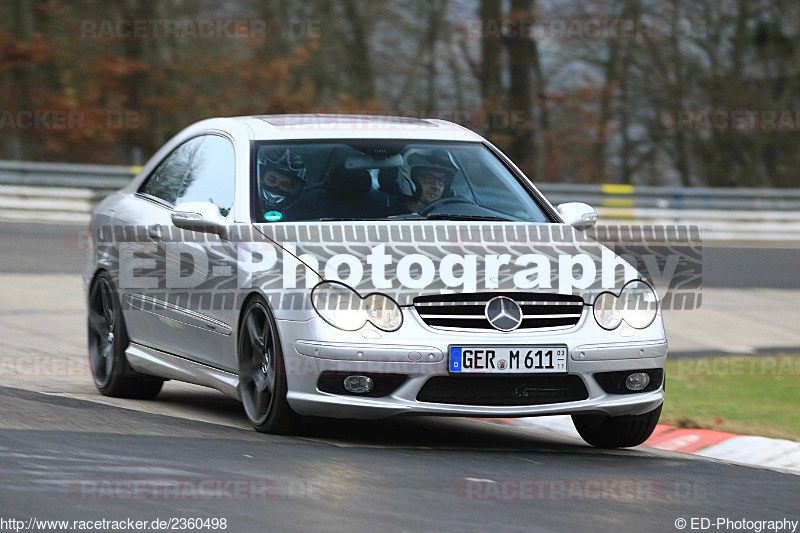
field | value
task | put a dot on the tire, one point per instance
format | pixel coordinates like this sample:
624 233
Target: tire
108 339
262 375
604 431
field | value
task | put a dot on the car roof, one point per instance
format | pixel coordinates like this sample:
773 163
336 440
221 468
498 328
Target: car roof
346 126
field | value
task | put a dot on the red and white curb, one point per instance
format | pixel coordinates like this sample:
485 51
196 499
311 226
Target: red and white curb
758 451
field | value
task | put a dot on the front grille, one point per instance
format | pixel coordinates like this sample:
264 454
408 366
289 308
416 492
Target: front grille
468 311
503 390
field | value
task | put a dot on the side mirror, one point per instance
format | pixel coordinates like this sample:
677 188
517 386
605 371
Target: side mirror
578 215
200 216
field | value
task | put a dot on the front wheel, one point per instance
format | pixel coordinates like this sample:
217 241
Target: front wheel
604 431
262 378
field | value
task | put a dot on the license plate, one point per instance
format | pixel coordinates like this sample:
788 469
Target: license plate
536 359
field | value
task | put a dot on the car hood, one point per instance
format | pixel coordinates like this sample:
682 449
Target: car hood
406 259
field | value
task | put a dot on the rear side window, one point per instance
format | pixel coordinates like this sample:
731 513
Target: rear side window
200 170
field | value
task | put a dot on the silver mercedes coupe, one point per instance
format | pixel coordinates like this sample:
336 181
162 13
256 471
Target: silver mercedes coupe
366 267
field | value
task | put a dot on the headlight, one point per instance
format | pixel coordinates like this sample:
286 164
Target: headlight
383 312
606 311
342 307
338 305
637 305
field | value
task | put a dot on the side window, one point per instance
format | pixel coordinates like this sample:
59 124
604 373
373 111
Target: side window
211 173
200 170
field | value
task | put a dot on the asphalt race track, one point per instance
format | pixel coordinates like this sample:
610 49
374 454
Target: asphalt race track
406 475
68 453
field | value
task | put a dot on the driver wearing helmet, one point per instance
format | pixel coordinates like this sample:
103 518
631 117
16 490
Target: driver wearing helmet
425 178
282 177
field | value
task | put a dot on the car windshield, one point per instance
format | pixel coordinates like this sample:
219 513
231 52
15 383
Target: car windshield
376 180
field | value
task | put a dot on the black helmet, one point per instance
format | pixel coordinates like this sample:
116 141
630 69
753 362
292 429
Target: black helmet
287 162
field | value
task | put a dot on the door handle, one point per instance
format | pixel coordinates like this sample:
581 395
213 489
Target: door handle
154 232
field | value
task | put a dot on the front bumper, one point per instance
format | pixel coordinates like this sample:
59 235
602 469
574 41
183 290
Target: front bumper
420 352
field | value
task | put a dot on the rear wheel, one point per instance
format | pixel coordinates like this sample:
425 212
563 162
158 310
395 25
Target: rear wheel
262 378
108 340
624 431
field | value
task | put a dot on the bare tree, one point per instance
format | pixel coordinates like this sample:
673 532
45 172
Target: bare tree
520 58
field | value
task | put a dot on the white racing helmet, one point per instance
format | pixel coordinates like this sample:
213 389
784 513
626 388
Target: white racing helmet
419 159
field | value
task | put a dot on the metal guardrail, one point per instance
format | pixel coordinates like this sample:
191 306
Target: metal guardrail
111 177
630 196
67 192
108 177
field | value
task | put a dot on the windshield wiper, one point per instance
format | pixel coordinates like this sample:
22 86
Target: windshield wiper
434 216
342 219
379 219
445 216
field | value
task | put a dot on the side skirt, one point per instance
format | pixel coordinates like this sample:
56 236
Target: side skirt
165 365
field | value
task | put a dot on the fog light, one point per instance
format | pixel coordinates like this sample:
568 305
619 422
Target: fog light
637 381
358 384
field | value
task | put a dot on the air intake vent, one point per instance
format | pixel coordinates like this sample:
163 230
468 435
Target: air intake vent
503 390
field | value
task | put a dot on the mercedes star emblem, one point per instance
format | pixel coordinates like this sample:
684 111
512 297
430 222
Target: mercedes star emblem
503 313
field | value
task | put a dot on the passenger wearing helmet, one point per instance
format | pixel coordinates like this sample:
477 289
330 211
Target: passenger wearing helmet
282 177
424 179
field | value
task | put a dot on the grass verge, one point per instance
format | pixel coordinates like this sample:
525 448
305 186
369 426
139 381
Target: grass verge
751 395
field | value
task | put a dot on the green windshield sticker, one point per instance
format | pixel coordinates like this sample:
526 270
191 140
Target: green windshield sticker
273 216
